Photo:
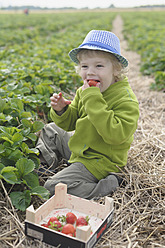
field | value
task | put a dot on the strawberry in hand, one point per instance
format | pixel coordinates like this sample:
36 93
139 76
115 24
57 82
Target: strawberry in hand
92 83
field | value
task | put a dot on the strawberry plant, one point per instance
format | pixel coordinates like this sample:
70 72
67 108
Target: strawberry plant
18 157
145 33
159 81
34 63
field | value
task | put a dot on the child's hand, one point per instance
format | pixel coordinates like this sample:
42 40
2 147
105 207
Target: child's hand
85 85
58 103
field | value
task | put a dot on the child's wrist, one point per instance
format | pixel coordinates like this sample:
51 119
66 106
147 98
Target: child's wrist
61 111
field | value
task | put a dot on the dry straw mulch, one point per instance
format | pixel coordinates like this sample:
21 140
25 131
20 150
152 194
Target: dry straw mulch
139 217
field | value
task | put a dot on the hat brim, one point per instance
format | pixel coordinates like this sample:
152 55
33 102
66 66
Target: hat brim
73 54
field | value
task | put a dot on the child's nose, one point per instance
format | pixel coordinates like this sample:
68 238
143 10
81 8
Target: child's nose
91 71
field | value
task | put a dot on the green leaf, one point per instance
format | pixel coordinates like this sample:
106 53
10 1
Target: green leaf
24 166
41 192
17 137
2 149
32 180
37 126
7 139
15 155
26 131
2 117
28 150
32 136
1 166
33 150
17 104
26 123
24 147
9 131
2 105
25 115
4 129
9 175
35 159
21 200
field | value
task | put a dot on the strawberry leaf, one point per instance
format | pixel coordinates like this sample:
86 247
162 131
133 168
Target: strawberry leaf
21 200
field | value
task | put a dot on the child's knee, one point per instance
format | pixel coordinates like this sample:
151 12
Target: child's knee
50 185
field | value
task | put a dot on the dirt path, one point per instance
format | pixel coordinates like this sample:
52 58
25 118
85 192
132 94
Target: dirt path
152 103
134 59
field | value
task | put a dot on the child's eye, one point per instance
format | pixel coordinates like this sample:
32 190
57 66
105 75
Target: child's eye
99 65
84 66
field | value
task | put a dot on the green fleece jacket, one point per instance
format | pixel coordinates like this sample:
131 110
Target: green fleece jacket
104 125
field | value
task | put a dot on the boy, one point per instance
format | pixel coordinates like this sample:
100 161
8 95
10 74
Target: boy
103 117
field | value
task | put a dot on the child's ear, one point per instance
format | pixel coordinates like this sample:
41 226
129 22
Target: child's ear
115 72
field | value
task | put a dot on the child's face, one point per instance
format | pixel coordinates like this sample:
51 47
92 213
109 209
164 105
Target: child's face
97 66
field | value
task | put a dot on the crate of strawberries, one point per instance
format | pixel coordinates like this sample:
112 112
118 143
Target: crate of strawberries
69 221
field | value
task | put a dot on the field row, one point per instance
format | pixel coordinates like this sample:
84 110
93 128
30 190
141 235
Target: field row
145 32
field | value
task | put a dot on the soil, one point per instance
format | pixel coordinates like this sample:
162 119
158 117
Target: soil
139 215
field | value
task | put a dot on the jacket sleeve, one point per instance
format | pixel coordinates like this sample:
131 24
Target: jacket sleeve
115 125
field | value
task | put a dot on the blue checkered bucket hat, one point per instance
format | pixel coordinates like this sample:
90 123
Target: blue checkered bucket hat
100 40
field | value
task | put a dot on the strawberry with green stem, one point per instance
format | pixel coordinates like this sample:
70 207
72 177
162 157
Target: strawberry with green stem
82 221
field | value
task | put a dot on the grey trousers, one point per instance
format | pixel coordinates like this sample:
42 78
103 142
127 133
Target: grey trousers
80 182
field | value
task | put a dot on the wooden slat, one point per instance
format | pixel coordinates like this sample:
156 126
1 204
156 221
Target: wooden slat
83 232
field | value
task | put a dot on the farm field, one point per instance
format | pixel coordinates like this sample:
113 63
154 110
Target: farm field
145 34
34 63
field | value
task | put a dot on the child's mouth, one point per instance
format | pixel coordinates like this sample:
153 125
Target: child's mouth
92 82
96 80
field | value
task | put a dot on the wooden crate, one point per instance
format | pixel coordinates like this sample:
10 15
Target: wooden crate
60 201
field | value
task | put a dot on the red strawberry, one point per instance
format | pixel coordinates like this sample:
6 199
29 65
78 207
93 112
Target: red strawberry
69 230
45 225
56 225
71 218
52 219
92 82
82 221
